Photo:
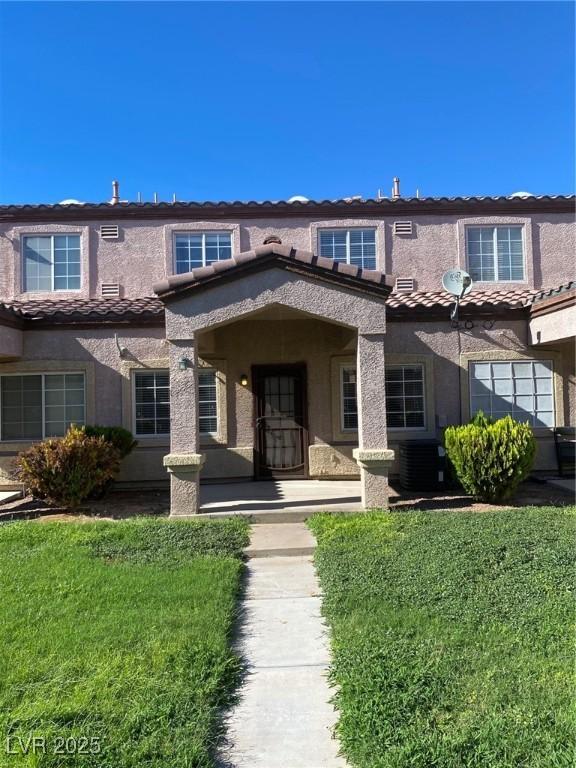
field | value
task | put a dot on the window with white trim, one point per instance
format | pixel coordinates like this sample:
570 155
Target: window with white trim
51 262
151 403
349 410
38 405
353 246
523 389
207 401
495 254
200 249
405 400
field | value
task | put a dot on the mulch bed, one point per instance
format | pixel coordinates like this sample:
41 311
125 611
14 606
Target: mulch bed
119 505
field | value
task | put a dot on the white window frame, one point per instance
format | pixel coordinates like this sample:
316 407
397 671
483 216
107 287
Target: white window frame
514 361
353 430
43 375
203 233
51 235
348 230
495 228
148 371
204 370
424 427
343 428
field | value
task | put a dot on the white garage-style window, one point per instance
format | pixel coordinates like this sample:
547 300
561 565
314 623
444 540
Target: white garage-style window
495 254
51 263
39 405
405 399
523 389
353 246
200 249
207 401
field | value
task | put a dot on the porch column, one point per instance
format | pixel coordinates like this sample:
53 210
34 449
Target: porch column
184 461
372 454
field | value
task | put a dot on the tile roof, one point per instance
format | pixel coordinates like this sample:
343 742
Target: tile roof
281 255
80 310
150 309
224 209
501 299
553 292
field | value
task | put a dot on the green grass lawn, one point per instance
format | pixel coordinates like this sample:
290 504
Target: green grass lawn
453 638
118 632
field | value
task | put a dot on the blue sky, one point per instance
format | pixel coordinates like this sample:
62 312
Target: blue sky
267 100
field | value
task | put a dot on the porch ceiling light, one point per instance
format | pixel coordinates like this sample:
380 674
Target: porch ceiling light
183 363
244 380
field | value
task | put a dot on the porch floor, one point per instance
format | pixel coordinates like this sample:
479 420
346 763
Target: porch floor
290 499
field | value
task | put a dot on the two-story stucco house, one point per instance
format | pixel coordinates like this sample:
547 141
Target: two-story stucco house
289 339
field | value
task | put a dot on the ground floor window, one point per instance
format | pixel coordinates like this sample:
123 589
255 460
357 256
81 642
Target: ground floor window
349 413
38 405
522 389
405 401
405 407
152 402
207 401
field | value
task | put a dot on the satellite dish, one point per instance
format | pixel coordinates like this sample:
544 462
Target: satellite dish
298 199
457 282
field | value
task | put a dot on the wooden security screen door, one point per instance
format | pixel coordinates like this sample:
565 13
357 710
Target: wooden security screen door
281 428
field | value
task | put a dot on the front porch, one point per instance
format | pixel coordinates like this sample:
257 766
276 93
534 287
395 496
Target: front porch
275 328
286 500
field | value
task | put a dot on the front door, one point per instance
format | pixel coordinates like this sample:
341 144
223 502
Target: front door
281 428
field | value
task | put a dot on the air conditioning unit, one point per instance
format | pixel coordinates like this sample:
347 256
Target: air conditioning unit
404 284
109 231
110 290
402 227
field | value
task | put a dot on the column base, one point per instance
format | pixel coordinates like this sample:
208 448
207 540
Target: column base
374 466
184 470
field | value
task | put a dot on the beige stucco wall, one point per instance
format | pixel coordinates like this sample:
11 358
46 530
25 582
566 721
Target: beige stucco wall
281 336
143 254
10 343
553 327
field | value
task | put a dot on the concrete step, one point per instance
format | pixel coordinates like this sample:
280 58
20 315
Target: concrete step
274 516
273 540
7 496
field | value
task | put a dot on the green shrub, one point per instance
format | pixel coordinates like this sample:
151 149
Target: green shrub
65 470
122 439
491 458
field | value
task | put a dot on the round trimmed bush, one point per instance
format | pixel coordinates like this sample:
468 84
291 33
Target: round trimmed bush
491 458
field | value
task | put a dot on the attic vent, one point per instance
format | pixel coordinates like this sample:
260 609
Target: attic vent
109 231
110 290
404 284
402 227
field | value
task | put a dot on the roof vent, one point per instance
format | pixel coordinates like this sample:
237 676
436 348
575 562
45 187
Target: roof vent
110 290
272 239
109 231
402 227
404 284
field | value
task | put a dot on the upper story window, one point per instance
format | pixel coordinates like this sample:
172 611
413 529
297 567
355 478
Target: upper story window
354 246
495 254
38 405
51 263
200 249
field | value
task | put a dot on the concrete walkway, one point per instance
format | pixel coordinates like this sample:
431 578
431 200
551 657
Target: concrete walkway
284 718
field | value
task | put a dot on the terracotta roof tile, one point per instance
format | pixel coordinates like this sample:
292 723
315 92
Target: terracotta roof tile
264 254
89 310
501 299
